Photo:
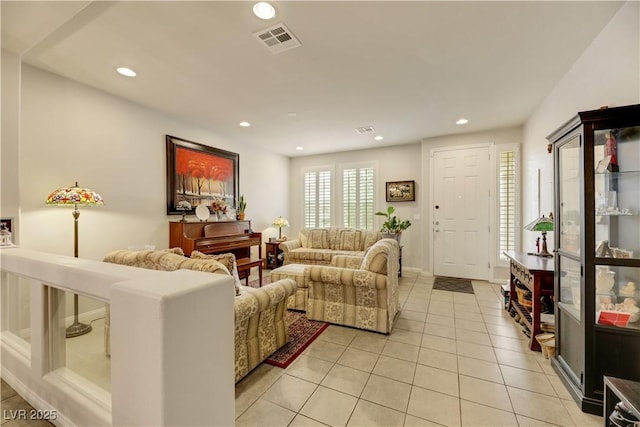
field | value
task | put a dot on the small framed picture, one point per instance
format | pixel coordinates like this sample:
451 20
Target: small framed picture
401 191
272 239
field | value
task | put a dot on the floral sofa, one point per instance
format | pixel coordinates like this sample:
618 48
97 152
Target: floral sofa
260 313
316 246
361 292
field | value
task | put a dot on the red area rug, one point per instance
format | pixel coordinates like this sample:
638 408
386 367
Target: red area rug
302 332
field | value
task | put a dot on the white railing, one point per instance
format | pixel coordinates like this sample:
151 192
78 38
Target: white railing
172 352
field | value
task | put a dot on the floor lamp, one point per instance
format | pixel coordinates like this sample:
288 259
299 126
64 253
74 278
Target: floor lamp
74 197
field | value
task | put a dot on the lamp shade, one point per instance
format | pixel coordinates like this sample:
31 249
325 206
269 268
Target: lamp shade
280 222
74 196
540 224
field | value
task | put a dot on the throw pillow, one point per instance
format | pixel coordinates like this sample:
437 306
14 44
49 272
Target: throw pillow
226 259
319 238
348 240
177 251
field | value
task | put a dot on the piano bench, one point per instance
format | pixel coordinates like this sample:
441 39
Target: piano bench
244 268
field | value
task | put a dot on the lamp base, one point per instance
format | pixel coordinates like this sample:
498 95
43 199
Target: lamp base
544 253
77 329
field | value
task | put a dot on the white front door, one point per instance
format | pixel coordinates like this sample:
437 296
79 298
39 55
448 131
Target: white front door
460 213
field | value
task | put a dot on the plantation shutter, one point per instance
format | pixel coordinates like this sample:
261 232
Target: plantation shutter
357 197
317 198
507 201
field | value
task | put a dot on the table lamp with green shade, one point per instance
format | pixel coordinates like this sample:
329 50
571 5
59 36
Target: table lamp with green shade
73 197
542 224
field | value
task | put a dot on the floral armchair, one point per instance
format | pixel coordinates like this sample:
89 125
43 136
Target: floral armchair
361 292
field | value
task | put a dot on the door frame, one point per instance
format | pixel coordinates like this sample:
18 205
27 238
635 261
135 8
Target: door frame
491 241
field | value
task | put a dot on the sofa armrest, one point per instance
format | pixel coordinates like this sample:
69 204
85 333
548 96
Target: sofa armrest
290 245
255 300
271 294
344 277
346 261
245 305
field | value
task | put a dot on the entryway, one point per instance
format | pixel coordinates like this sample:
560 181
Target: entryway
460 212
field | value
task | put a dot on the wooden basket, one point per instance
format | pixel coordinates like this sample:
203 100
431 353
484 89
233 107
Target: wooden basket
521 298
547 344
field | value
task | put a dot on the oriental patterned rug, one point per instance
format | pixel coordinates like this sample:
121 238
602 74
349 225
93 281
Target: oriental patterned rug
302 332
453 284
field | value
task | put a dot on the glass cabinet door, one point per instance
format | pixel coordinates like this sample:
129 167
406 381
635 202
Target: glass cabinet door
616 154
569 192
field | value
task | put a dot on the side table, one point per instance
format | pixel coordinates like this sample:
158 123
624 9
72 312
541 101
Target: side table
619 390
273 251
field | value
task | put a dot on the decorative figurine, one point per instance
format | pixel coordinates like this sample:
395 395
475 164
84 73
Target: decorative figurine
607 304
611 149
628 290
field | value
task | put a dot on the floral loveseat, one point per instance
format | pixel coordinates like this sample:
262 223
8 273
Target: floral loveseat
260 313
316 246
361 292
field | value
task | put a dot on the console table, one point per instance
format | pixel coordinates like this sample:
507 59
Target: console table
536 274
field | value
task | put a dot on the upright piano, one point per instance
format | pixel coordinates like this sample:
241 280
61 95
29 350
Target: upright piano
215 237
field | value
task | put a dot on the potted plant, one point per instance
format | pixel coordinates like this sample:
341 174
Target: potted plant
392 227
242 205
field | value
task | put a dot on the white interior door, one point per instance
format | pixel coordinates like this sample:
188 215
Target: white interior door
460 213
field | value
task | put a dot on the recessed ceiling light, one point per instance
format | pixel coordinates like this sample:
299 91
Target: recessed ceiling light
462 121
264 10
299 148
245 124
128 72
292 114
378 138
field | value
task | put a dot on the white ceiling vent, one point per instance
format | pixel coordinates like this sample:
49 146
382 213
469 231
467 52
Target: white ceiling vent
365 130
277 38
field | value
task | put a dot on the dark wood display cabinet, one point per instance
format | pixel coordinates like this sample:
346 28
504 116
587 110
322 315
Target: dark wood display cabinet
597 262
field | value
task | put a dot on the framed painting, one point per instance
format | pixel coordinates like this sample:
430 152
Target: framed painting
198 174
401 191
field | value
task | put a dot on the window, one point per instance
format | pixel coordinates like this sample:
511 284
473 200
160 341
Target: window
507 201
357 197
317 198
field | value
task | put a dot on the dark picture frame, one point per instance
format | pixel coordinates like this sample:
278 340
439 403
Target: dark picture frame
401 191
198 173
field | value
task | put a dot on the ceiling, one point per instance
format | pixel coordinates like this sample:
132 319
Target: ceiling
408 69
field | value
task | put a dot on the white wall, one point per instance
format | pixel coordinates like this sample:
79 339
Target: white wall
9 197
607 73
396 163
117 148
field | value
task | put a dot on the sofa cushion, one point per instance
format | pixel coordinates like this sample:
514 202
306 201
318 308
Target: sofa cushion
375 260
348 240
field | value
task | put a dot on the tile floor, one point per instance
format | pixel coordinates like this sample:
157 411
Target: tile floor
452 359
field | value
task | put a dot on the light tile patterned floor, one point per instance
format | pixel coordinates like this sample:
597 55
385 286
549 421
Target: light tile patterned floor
452 359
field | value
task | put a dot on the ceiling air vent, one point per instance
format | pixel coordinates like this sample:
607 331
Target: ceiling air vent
277 38
365 130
